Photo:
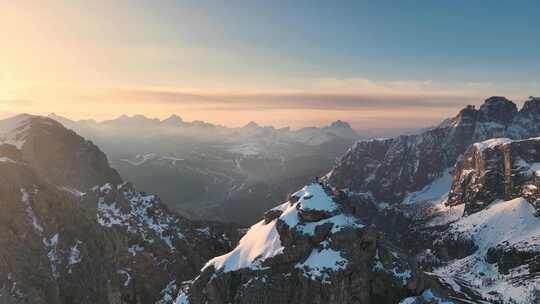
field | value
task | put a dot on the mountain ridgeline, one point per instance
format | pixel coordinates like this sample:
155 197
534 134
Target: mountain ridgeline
447 215
71 231
388 169
207 171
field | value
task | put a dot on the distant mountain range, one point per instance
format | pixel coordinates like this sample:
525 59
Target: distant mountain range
446 215
208 171
202 131
449 214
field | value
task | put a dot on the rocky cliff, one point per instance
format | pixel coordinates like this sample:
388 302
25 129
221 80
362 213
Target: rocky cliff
72 232
311 249
496 169
389 169
444 216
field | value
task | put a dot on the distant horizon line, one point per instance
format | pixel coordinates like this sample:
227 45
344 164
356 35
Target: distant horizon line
52 115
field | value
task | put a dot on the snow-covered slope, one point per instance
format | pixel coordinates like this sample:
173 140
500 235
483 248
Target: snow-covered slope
63 242
310 249
390 169
262 241
510 226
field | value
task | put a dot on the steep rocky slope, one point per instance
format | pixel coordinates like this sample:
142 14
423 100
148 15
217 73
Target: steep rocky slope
72 232
56 153
496 182
445 216
389 169
311 249
213 172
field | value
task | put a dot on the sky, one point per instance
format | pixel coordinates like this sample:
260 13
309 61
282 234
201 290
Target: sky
376 64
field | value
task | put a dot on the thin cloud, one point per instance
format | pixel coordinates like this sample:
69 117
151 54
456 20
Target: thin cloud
269 101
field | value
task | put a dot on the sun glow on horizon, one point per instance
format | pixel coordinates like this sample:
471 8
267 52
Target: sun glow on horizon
102 59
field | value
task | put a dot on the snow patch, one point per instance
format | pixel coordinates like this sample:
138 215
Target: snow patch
490 143
260 243
320 262
434 193
511 223
54 260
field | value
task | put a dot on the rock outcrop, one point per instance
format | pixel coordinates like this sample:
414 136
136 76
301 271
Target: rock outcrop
63 243
497 169
288 259
389 169
58 154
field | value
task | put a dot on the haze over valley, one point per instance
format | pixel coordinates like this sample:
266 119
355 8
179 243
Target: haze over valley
269 152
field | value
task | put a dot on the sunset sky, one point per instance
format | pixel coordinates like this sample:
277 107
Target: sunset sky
376 64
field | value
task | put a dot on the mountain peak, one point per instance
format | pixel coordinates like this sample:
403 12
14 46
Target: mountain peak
498 109
173 119
340 124
531 105
36 136
252 125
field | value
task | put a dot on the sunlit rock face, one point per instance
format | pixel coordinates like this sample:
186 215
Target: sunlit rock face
329 256
497 169
389 169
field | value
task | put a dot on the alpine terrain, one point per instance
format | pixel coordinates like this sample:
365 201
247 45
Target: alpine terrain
71 231
447 215
206 171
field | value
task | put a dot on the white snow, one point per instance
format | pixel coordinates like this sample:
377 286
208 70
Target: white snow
314 197
105 188
75 253
409 300
182 298
54 260
395 269
490 143
443 214
504 221
426 296
168 293
260 243
138 218
204 231
340 222
320 262
434 193
134 249
25 198
74 256
511 223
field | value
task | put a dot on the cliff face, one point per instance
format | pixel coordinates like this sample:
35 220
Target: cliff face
72 232
310 249
496 169
482 245
389 169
